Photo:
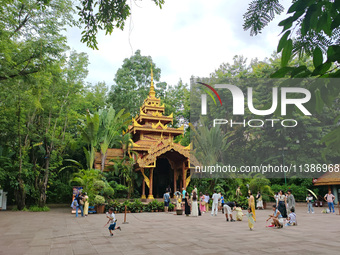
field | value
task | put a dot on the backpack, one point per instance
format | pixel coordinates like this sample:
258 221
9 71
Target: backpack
75 203
166 197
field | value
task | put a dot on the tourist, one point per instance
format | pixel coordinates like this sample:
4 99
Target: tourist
80 201
251 204
276 197
250 217
222 202
276 217
239 214
206 199
202 203
238 192
310 201
166 198
229 207
291 218
330 200
290 200
215 197
112 220
281 205
187 204
219 202
183 193
75 206
194 205
195 189
86 204
178 200
259 202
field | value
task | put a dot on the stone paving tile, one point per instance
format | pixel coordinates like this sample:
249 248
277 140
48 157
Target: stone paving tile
164 233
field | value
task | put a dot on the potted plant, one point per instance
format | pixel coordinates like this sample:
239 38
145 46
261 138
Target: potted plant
160 206
171 207
154 205
99 202
138 206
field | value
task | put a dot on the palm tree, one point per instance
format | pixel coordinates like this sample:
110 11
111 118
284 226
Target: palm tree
209 144
89 132
103 128
110 128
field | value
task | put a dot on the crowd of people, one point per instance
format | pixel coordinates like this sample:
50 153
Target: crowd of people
195 205
283 210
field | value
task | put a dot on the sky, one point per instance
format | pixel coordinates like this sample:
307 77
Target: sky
185 38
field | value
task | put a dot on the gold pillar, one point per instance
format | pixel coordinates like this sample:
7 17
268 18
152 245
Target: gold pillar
151 184
143 190
175 179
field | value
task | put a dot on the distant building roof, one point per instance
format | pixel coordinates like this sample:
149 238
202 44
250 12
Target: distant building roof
329 178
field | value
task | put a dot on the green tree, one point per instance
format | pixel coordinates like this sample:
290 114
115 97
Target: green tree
89 132
39 131
31 35
103 15
110 129
312 29
132 83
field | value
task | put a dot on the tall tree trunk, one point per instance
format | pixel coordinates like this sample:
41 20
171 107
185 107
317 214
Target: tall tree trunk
20 193
103 160
44 182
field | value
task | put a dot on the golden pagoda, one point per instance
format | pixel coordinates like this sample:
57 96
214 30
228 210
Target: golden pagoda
158 154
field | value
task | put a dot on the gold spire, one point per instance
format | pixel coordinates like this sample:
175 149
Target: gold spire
152 93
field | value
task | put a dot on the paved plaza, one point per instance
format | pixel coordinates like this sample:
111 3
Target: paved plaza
59 232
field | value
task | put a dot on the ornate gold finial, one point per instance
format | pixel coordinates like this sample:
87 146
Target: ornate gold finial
152 88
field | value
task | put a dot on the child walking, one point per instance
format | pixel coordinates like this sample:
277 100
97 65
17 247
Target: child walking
250 219
112 220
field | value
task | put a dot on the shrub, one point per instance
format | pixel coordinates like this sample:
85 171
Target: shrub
98 200
121 191
35 208
171 207
137 205
160 206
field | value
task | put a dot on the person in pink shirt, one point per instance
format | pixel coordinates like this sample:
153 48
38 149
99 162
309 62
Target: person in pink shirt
330 200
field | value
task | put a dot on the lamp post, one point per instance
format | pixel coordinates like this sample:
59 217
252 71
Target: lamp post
283 149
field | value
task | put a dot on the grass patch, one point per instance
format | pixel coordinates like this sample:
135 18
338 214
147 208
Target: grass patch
35 208
15 209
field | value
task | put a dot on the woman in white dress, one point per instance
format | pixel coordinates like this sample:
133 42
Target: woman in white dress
194 205
259 202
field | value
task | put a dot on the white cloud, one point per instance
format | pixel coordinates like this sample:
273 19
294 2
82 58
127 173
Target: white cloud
185 38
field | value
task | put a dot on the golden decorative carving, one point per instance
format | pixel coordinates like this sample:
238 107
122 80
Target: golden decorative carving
157 114
141 111
181 128
188 147
161 148
135 145
135 123
152 89
187 181
146 179
159 124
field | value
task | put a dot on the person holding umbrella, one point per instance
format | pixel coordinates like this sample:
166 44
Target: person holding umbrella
310 201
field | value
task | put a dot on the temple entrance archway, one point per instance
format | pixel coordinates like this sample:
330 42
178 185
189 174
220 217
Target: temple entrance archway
163 177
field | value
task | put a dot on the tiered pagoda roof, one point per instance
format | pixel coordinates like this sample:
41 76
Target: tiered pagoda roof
150 127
